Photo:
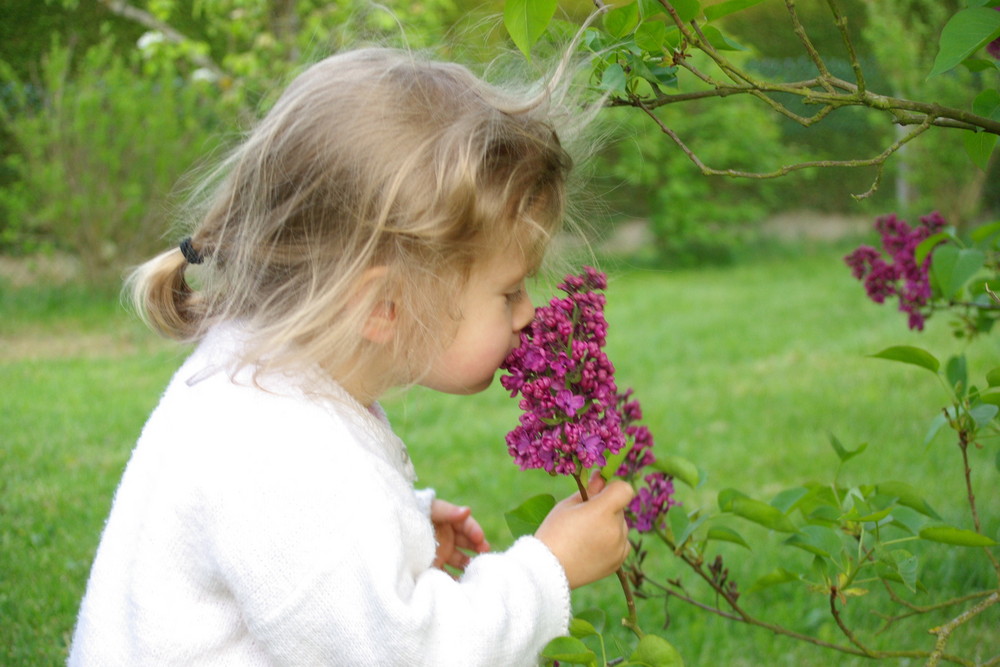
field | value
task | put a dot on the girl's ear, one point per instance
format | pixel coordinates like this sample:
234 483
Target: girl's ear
380 322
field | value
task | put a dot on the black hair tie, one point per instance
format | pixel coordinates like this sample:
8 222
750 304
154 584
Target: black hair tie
190 254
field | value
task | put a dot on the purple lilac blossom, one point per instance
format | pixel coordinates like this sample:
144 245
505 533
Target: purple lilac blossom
566 382
573 415
651 502
899 276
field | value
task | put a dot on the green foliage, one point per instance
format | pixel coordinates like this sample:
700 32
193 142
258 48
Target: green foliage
965 33
528 516
934 172
98 152
696 219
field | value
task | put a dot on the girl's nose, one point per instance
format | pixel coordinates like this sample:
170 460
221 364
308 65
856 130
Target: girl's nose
523 313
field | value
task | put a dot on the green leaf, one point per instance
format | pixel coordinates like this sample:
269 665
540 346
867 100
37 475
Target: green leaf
763 514
936 424
719 40
910 355
965 33
613 79
621 21
726 8
773 578
818 540
924 248
867 517
689 529
906 495
993 377
843 454
979 146
656 651
679 522
980 64
908 519
580 628
650 36
569 650
957 372
952 267
983 232
786 500
960 537
991 397
987 103
826 514
649 8
723 534
678 467
727 497
687 10
596 617
526 21
613 462
983 414
528 516
905 565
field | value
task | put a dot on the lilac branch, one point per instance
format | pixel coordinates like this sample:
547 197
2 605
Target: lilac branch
878 161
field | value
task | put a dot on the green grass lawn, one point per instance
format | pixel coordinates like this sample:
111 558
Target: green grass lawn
746 370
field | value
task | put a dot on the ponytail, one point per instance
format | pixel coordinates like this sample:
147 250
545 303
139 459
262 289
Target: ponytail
162 297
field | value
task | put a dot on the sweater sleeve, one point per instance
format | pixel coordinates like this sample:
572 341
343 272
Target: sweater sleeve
328 550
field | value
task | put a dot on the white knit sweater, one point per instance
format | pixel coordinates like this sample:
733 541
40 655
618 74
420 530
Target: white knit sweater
256 525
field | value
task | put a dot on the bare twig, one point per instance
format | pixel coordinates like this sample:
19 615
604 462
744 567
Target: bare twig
877 161
843 626
944 632
807 44
841 21
916 610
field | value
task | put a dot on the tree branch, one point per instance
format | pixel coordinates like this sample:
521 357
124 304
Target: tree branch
878 161
144 18
944 632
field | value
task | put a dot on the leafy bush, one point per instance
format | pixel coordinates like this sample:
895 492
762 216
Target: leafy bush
100 143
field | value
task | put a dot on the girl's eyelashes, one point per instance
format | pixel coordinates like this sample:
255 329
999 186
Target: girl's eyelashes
515 296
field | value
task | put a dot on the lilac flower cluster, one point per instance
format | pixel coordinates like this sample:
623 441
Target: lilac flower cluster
647 509
899 277
651 502
573 415
566 381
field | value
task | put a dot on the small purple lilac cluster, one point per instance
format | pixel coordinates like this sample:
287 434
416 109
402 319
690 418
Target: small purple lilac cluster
567 384
649 506
900 277
573 415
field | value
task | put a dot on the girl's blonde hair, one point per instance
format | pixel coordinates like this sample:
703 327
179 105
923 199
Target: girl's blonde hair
377 178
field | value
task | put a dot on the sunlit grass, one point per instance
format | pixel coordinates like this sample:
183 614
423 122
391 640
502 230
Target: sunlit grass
745 370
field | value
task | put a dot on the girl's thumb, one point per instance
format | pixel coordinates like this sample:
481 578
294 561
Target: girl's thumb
596 484
617 494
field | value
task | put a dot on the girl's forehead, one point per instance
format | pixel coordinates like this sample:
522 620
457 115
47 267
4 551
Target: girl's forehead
510 260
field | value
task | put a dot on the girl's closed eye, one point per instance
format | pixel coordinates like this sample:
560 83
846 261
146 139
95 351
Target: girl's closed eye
515 296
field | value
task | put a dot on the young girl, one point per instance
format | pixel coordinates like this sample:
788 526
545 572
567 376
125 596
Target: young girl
374 231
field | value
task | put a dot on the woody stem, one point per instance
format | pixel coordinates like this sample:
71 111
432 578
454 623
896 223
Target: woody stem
632 620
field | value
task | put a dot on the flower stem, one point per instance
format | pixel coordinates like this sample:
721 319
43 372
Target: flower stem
632 620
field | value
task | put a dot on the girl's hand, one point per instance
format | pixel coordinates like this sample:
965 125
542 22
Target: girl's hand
456 532
590 538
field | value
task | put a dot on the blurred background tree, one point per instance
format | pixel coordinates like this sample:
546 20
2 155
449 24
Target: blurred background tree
107 103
